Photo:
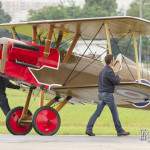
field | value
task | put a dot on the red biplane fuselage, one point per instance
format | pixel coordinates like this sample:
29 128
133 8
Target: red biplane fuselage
21 56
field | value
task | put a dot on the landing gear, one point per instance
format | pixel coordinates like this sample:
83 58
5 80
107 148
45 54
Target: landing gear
13 124
46 121
18 120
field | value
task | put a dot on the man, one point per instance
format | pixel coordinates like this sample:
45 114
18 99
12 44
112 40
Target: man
107 82
5 83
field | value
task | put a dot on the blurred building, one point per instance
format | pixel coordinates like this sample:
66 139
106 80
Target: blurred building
18 9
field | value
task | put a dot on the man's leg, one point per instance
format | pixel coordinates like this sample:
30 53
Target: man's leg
94 117
4 104
113 108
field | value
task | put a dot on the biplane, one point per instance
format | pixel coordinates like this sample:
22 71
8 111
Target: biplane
55 60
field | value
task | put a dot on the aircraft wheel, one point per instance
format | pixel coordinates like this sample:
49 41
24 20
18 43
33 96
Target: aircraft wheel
14 126
46 121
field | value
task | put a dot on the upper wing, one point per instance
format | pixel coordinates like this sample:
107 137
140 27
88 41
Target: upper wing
88 27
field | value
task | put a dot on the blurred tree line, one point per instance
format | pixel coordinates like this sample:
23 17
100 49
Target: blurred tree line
134 9
4 17
91 8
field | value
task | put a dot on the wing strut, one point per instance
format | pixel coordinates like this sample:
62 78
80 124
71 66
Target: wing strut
59 38
48 40
108 38
14 34
34 34
136 56
4 58
75 39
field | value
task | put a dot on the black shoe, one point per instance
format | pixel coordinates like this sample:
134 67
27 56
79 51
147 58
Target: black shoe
90 133
124 133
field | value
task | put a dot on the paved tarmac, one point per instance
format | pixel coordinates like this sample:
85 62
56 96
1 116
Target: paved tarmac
35 142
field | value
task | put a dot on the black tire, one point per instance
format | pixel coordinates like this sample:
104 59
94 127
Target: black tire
36 126
12 119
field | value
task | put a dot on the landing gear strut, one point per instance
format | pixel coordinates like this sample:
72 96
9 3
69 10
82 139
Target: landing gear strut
18 119
45 121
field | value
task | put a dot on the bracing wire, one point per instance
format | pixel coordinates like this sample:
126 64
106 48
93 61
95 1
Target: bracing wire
82 55
77 74
123 57
96 58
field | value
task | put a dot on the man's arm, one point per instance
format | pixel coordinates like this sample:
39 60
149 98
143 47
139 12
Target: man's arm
115 79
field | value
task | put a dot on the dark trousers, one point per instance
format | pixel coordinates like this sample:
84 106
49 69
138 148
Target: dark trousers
4 104
105 99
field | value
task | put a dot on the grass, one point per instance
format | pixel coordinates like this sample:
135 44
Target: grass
74 117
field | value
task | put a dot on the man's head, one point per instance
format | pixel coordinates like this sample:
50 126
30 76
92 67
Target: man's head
109 59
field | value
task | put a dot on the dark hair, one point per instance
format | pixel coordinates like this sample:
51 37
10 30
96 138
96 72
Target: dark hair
108 58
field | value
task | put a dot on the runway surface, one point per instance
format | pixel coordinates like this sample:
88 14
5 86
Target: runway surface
35 142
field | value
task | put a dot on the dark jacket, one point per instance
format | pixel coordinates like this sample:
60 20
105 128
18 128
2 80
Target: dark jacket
5 83
108 80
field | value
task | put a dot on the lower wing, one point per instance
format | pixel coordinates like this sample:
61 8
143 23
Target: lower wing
127 94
